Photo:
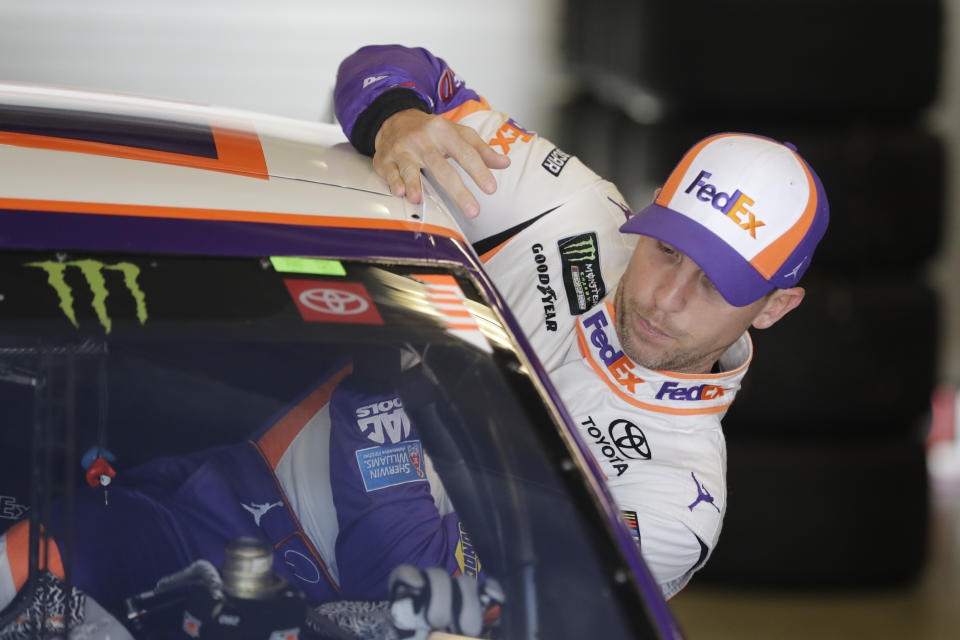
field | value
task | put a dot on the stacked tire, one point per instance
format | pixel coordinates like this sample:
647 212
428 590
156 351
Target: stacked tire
827 479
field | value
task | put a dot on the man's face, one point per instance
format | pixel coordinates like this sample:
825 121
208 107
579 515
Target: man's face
670 317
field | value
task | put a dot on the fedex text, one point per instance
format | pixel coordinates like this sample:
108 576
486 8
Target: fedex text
617 363
734 205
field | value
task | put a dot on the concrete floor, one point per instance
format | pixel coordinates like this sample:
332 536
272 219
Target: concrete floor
926 610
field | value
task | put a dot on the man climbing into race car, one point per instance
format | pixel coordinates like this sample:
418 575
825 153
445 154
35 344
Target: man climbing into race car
640 319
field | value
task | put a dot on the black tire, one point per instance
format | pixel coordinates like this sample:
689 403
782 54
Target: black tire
823 512
856 357
790 56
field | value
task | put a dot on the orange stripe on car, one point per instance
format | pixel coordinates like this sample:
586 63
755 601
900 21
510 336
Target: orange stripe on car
462 313
228 215
238 150
445 295
471 326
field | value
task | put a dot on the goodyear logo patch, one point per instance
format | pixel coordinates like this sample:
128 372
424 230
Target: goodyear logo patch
466 555
382 467
580 266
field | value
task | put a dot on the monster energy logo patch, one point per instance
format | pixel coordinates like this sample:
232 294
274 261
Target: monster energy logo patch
92 271
580 259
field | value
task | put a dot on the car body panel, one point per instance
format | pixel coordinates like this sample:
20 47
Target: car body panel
276 187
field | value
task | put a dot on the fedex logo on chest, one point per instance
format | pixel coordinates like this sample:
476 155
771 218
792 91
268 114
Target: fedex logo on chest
735 206
621 368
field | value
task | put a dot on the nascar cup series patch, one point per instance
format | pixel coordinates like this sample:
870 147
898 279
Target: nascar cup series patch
580 266
382 467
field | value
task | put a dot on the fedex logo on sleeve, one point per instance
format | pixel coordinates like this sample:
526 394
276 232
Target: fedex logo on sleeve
733 205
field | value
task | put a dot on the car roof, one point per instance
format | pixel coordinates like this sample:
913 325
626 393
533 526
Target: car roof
80 152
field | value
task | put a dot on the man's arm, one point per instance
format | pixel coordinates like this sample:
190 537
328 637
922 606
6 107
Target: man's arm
427 102
391 100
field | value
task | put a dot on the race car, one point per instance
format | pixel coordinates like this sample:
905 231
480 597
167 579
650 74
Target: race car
248 392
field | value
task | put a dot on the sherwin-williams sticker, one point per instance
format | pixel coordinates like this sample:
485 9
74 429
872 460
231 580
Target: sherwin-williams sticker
383 467
580 266
333 301
315 266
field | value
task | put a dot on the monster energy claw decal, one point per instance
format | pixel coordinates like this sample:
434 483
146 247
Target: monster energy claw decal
580 265
93 273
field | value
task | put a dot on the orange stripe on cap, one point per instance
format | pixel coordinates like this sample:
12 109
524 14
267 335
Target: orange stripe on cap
468 107
275 442
238 150
768 261
18 554
228 215
673 182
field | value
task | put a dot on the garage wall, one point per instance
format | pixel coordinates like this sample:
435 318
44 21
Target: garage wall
278 57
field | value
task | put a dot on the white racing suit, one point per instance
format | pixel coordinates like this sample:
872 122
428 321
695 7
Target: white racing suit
549 238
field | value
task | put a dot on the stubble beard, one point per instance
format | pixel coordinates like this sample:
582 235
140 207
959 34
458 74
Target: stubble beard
676 360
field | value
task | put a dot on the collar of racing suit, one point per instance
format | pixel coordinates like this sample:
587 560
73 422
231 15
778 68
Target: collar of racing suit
659 391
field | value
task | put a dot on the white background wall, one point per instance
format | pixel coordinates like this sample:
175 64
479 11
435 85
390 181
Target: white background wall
281 56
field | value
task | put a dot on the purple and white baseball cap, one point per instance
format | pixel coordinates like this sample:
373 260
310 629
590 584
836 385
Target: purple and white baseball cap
747 209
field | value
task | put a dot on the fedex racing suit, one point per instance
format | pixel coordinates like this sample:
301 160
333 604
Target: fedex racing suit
342 496
549 237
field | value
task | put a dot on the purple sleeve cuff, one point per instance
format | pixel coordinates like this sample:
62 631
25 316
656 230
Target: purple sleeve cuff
373 71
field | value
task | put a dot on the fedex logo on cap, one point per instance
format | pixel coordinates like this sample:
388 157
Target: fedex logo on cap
733 205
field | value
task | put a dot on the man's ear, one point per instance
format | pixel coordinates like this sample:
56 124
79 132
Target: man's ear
779 304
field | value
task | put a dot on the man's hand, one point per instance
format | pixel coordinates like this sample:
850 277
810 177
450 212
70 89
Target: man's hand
411 140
